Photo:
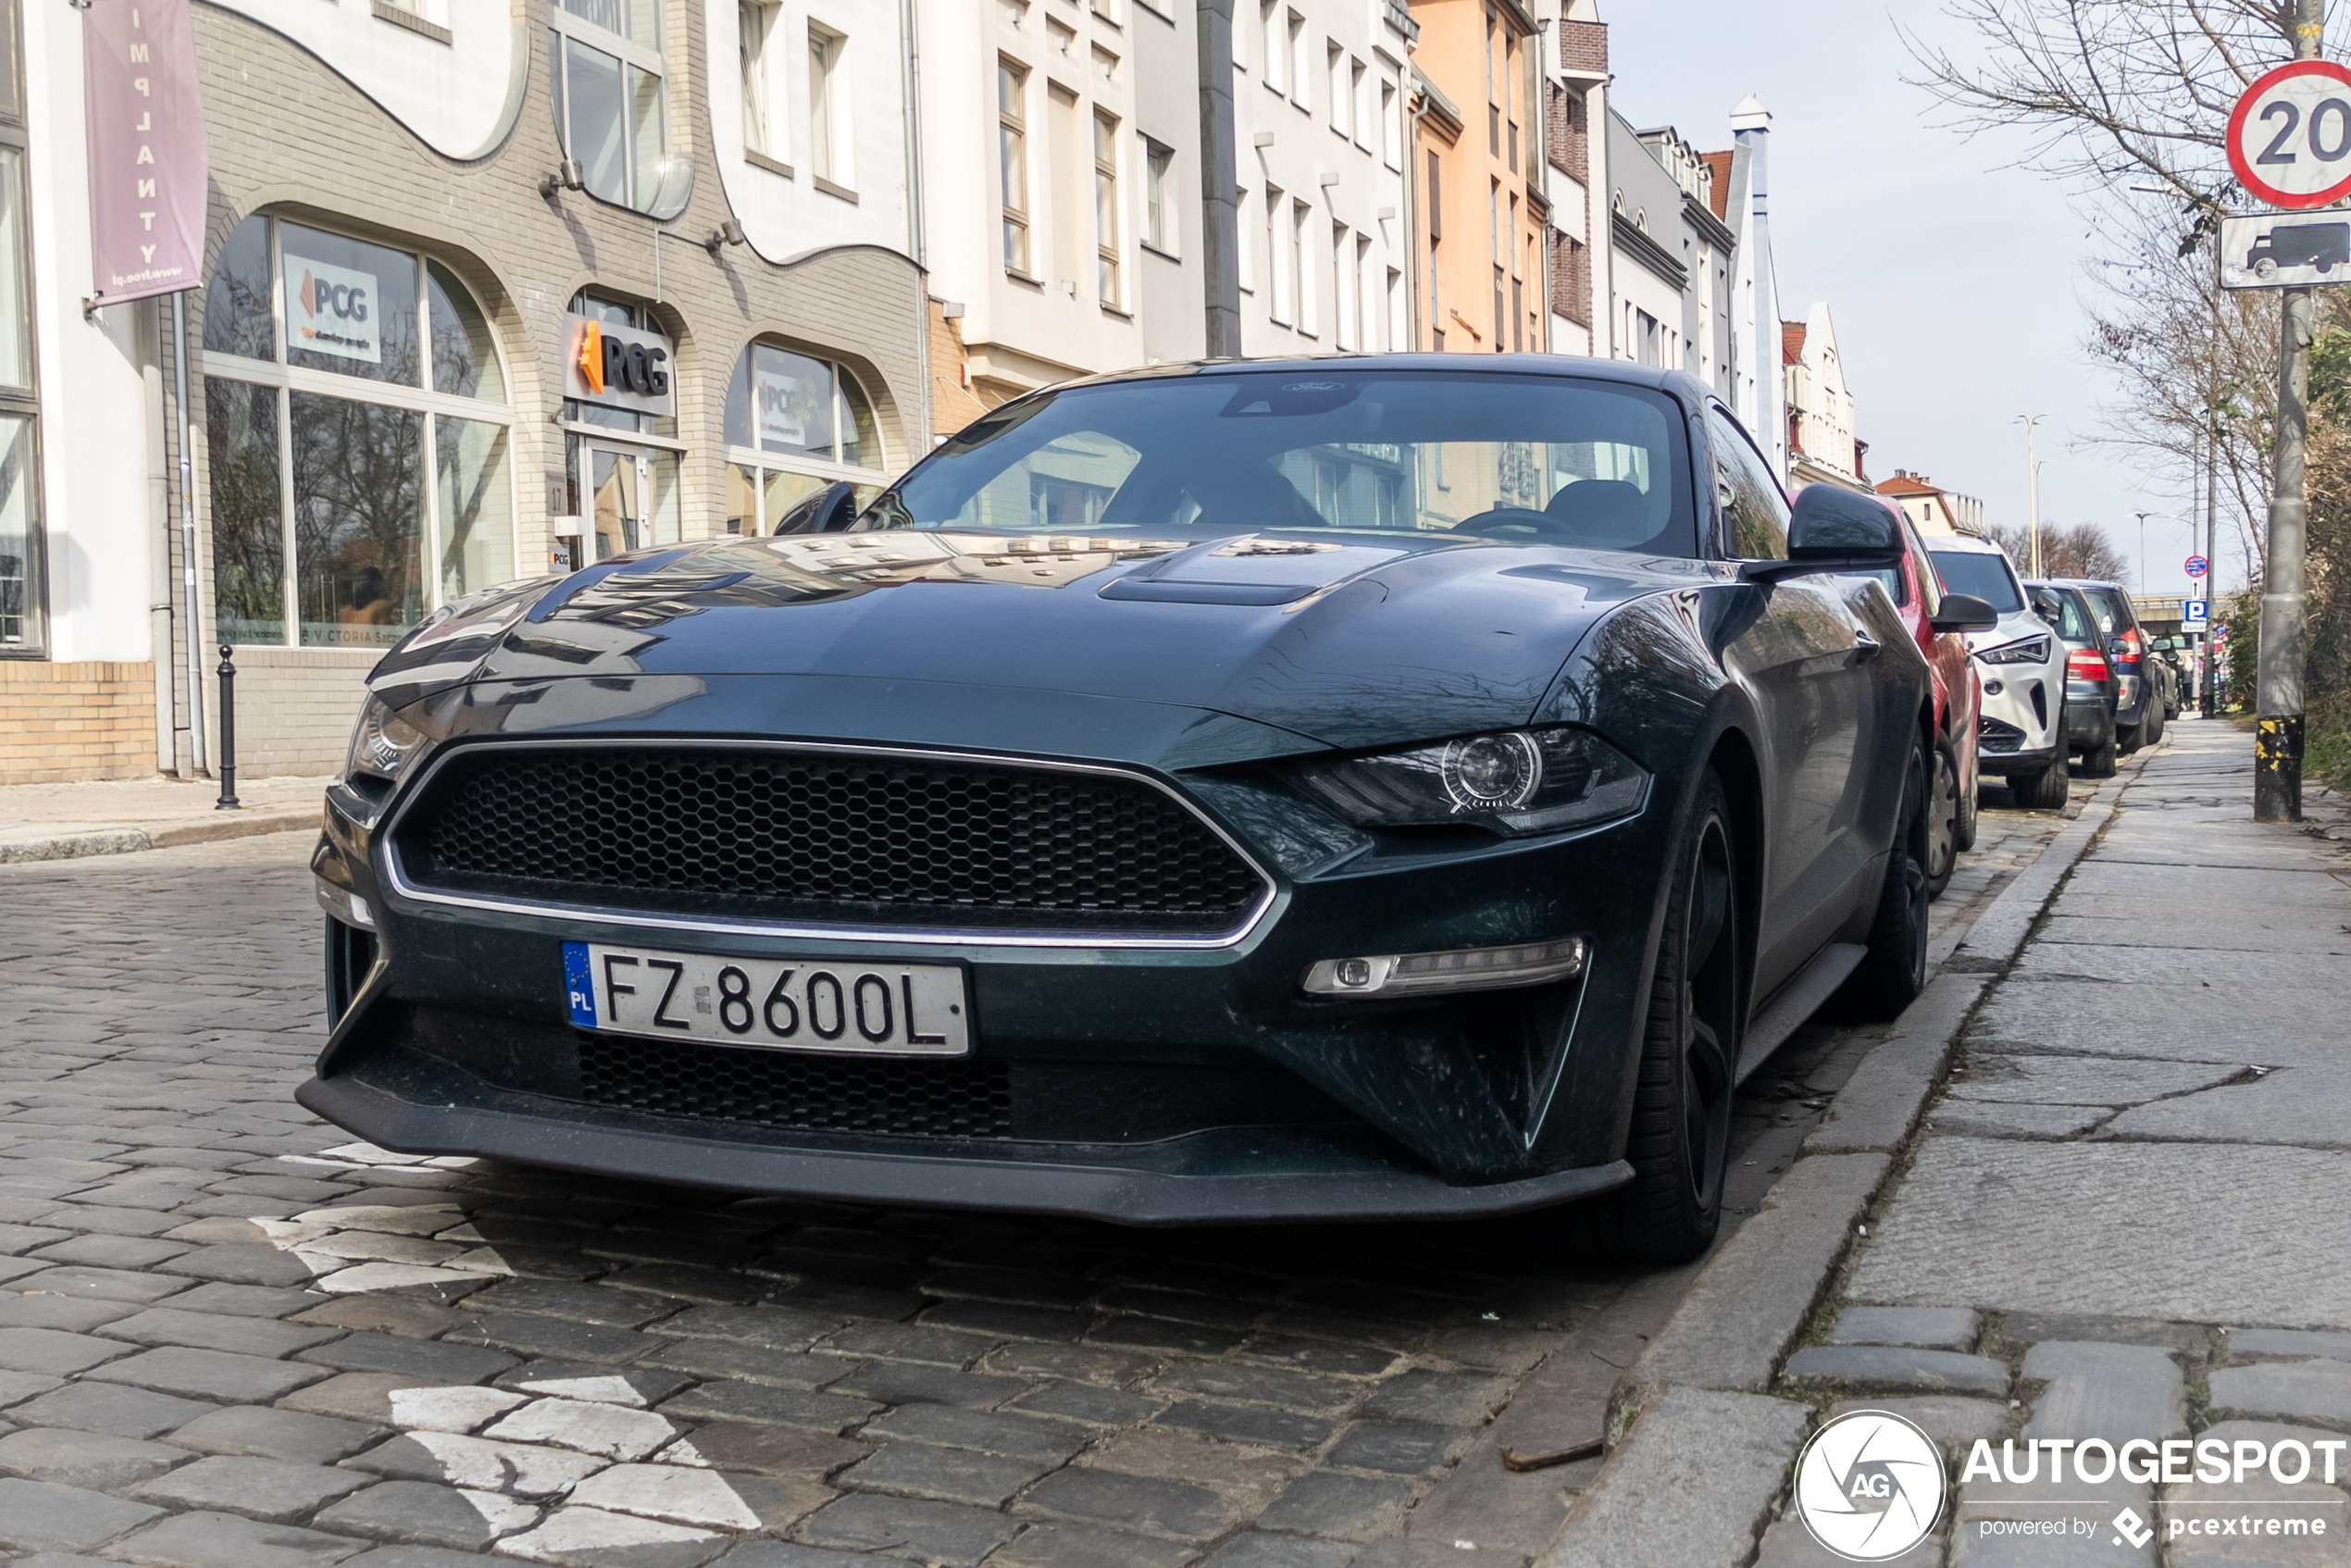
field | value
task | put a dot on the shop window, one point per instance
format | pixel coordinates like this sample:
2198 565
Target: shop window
794 424
609 79
23 629
347 497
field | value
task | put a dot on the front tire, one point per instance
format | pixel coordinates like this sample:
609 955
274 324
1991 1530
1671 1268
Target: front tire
1943 820
2046 791
1679 1144
1893 970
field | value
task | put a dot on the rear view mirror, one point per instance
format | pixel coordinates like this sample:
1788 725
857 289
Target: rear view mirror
1964 612
830 510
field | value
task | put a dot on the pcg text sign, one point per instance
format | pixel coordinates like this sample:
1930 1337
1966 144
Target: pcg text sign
2290 135
2274 250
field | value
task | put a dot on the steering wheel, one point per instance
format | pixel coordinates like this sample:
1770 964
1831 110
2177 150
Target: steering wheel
1516 522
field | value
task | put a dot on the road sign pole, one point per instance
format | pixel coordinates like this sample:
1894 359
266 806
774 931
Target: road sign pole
2210 689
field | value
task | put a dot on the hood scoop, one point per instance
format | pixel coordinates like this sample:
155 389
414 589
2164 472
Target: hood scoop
1253 570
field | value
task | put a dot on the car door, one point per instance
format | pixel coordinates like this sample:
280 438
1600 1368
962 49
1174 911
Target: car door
1796 648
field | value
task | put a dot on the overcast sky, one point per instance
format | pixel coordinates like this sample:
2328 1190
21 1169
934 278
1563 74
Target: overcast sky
1956 283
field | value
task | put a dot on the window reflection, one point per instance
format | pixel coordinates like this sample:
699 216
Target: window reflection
248 511
359 519
19 537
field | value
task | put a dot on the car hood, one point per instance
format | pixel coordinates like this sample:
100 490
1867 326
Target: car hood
1351 641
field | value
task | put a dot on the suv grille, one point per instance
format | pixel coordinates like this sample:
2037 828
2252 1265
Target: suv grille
1993 736
962 1098
827 837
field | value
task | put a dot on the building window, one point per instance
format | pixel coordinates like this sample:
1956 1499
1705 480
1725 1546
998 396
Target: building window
1276 284
1106 209
1158 227
23 625
1342 99
1302 91
1390 127
1359 104
753 18
356 434
1271 24
1012 160
612 103
1300 278
1242 256
1341 337
827 138
795 424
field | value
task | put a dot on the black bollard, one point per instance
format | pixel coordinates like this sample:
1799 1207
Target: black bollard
228 673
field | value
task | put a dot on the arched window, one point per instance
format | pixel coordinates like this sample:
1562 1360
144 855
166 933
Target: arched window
794 425
355 439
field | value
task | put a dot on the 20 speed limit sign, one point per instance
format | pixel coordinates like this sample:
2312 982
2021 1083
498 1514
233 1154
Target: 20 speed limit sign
2290 135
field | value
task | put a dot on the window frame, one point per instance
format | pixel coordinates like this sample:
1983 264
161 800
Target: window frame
24 402
1110 257
827 144
1013 152
754 27
1159 234
563 24
286 380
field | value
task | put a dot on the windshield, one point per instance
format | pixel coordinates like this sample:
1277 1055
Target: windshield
1986 577
1534 458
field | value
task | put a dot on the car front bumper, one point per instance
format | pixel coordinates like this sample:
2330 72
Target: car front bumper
1145 1084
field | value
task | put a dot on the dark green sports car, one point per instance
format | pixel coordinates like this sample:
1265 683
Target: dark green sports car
1356 788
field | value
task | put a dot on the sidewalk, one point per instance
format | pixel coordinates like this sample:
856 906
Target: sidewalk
118 817
2128 1212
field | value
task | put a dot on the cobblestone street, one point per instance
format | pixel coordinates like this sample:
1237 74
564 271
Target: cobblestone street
230 1338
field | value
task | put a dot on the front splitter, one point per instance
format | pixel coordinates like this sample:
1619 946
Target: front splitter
1097 1193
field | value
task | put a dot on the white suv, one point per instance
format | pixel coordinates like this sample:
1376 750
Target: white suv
2021 733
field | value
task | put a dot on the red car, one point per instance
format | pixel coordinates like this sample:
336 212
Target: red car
1917 591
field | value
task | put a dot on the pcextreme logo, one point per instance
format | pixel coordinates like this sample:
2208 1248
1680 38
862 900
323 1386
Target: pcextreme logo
1869 1486
591 356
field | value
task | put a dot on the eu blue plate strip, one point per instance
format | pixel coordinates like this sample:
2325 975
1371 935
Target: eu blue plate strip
580 986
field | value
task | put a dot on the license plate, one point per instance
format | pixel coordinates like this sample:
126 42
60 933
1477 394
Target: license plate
769 1003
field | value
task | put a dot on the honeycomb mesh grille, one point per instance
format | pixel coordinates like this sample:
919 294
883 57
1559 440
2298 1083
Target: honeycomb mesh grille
1995 735
814 1093
836 838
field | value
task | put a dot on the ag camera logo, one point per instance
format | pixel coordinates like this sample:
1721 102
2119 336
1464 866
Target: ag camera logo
1869 1486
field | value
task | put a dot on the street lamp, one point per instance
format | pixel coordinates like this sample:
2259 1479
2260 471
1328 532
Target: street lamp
2031 492
2143 554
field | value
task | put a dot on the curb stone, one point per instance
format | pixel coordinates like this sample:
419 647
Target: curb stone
1747 1309
131 840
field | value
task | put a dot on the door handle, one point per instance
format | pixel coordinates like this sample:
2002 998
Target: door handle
1865 645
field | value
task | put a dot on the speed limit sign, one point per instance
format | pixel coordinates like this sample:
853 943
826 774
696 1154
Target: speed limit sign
2290 135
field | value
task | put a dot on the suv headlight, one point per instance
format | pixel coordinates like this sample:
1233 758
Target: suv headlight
2032 650
1513 783
384 745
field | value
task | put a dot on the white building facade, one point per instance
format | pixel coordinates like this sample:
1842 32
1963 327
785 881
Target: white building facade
1759 390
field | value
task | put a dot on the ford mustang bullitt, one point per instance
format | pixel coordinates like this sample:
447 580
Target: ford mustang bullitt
1350 789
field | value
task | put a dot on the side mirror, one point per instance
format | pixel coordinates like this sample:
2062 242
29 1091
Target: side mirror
1964 612
830 510
2047 605
1834 529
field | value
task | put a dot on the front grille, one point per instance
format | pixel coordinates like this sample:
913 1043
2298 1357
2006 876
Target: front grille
962 1098
828 837
1996 735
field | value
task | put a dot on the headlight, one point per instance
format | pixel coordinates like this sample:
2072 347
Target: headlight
2032 650
1515 782
383 745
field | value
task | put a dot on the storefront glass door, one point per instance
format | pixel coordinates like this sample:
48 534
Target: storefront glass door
633 497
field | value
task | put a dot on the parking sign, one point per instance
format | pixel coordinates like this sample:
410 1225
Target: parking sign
2196 612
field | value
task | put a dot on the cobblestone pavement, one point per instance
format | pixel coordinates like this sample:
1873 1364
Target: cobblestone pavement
2127 1216
230 1337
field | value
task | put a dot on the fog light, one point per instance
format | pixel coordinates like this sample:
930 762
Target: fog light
1462 969
1993 688
344 905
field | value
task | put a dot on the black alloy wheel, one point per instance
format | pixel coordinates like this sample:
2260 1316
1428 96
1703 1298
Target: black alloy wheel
1680 1139
1893 969
1943 820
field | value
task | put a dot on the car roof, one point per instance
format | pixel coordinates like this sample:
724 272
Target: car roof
2089 582
1688 388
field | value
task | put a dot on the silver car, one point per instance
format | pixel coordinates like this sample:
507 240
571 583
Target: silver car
2021 734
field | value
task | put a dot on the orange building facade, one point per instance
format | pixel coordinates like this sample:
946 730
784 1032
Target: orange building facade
1479 213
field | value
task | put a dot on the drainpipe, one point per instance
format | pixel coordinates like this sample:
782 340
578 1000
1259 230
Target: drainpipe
160 637
915 236
188 537
1411 221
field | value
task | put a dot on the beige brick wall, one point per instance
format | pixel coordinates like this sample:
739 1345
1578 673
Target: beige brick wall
64 722
295 707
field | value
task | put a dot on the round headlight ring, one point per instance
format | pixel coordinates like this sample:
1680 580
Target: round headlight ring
1493 772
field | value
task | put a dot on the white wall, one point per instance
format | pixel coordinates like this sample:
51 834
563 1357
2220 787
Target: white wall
455 96
786 216
1304 149
93 448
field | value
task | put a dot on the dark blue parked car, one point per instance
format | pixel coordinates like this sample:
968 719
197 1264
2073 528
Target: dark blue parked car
1369 788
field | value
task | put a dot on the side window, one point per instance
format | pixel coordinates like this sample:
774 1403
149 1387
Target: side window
1753 507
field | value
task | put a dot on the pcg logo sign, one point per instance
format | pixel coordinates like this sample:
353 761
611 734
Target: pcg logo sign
1869 1486
331 309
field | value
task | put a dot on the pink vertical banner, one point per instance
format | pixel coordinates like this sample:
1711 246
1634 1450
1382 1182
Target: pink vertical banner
148 153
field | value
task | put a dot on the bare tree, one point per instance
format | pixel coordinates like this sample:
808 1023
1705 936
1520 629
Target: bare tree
2114 91
2066 550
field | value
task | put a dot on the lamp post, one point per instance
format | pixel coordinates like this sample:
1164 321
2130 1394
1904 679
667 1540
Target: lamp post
2031 492
2143 552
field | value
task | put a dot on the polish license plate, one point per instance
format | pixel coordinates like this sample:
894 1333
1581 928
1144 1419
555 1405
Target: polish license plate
769 1003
